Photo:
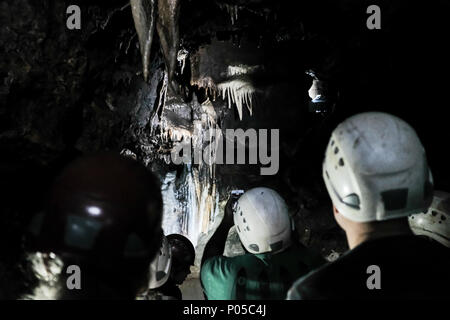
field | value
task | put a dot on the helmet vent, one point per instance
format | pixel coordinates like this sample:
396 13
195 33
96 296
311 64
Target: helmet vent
336 150
276 246
248 228
332 142
395 199
352 200
254 247
160 275
341 162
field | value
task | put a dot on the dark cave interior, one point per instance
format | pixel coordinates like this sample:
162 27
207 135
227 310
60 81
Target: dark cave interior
70 92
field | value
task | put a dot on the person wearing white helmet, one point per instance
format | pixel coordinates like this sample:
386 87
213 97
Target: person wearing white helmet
159 272
376 173
273 260
169 268
434 223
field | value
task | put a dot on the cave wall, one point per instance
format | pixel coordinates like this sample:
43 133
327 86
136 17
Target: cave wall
68 92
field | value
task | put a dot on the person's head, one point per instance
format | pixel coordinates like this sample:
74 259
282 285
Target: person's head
376 173
103 214
262 221
435 222
183 257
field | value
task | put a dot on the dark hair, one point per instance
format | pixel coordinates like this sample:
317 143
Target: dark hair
179 242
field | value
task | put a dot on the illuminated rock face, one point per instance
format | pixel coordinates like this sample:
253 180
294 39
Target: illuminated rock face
191 192
226 73
191 206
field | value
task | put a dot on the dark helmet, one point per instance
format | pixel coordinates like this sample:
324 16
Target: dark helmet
105 209
183 256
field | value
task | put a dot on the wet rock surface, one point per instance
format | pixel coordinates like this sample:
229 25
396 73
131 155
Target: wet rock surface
65 92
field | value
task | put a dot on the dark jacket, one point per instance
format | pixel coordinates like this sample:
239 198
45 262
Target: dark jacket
410 267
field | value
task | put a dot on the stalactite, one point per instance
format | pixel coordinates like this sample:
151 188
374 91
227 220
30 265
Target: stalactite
155 120
242 69
168 32
232 10
239 92
191 207
181 58
144 21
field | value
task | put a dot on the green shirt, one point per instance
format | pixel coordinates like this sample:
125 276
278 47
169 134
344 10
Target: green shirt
256 276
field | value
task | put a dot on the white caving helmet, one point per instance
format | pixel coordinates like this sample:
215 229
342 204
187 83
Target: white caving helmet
375 168
160 266
434 223
262 221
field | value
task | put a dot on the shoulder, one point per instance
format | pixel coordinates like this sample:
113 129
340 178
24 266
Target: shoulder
308 286
330 277
218 275
214 266
221 266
